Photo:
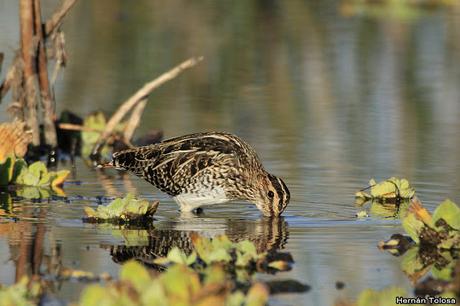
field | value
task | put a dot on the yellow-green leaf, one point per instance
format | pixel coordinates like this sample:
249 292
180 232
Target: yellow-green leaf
448 211
135 273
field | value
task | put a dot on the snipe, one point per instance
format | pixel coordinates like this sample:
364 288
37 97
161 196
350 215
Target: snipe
206 168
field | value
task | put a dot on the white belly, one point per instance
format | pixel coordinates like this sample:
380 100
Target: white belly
191 201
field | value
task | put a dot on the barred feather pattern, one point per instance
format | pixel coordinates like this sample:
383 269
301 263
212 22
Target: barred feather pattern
196 164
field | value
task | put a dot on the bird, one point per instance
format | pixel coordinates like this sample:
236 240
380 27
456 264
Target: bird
206 168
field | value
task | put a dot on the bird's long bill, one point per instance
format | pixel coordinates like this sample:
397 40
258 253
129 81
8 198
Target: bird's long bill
105 166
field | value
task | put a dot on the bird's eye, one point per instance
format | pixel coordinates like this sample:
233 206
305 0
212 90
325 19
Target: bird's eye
271 194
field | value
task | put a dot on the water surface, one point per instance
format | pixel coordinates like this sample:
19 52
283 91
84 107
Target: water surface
328 101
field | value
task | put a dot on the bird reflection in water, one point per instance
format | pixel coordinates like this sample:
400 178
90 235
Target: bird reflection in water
267 234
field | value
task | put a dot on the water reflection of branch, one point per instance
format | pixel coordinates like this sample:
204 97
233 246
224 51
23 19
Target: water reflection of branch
30 250
107 183
128 183
110 189
38 243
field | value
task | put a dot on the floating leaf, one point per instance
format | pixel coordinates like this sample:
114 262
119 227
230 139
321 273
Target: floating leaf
122 210
257 295
280 265
236 299
386 297
29 192
219 255
135 273
175 255
362 214
24 293
93 295
91 213
449 212
215 274
390 190
45 179
20 166
6 171
38 169
180 283
59 177
413 227
30 179
416 208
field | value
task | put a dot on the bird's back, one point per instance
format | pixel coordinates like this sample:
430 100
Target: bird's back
180 164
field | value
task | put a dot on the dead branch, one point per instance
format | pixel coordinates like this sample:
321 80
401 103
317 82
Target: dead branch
1 60
58 16
43 80
60 55
76 127
27 51
6 84
134 121
52 24
139 96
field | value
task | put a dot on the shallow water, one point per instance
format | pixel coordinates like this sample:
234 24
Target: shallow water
328 101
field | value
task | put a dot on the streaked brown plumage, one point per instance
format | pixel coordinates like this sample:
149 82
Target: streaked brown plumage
206 168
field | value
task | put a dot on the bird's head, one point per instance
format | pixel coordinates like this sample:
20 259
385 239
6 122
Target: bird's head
273 195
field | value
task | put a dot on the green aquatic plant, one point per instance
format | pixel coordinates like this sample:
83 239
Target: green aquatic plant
122 210
433 245
33 181
392 190
220 250
371 297
93 125
16 171
24 293
385 210
417 262
179 285
441 230
385 297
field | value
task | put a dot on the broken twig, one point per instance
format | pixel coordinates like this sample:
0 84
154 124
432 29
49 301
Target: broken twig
76 127
57 17
43 80
1 60
135 99
134 121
